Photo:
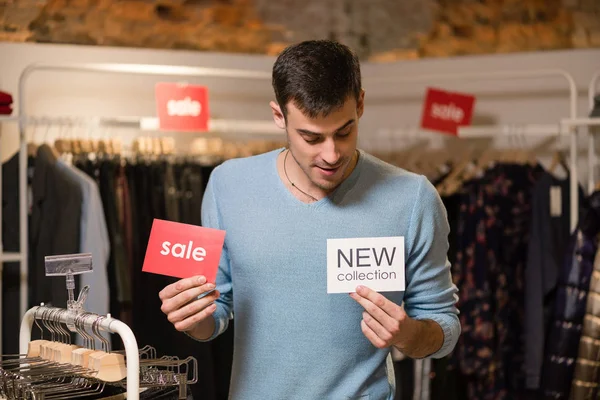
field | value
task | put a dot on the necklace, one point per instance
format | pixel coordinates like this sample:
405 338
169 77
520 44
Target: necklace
292 183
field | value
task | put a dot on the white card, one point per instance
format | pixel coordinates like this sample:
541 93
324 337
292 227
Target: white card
377 263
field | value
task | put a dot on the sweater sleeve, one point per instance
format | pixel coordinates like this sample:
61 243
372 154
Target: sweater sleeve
211 218
430 292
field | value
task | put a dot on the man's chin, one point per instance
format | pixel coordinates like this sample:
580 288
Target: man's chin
326 185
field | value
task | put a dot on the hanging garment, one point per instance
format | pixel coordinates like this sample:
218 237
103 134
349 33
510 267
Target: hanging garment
492 240
93 239
549 234
571 300
595 113
55 226
149 185
446 381
587 369
123 226
5 110
118 277
172 193
11 273
192 190
404 372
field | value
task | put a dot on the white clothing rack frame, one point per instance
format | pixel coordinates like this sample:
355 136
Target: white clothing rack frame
108 324
505 75
592 88
186 71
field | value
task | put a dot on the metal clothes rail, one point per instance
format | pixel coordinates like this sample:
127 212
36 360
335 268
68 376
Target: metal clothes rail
107 324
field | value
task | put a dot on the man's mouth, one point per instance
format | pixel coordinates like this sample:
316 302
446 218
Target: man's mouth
328 170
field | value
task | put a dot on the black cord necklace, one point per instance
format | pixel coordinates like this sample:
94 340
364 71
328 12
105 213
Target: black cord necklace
292 183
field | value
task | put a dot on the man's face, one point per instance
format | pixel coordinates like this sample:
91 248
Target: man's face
323 147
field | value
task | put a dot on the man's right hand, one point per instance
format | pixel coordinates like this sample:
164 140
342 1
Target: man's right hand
185 310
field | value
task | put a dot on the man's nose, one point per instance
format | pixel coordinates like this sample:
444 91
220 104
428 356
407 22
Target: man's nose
330 152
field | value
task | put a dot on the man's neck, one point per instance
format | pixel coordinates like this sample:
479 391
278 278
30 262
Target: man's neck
301 181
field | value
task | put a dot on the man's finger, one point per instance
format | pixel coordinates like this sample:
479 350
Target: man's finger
189 322
375 311
192 308
392 309
373 338
181 285
377 328
183 298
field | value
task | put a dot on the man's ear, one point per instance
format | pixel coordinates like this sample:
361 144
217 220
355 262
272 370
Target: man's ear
360 105
277 115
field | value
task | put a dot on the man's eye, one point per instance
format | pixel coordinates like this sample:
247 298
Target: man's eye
344 134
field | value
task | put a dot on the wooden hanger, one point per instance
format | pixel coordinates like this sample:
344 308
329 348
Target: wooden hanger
404 156
34 347
539 149
32 149
57 351
453 181
110 367
558 160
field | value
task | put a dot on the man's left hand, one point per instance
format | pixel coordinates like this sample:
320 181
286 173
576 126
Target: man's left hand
384 322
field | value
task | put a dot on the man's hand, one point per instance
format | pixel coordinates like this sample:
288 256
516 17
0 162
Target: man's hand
185 310
386 324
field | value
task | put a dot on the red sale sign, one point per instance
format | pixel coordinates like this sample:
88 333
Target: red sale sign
445 111
182 107
182 250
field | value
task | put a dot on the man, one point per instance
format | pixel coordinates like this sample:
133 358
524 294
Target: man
293 340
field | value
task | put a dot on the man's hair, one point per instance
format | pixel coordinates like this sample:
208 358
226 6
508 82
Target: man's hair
318 76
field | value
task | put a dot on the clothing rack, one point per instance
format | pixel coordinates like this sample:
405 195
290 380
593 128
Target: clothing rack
136 69
139 368
592 163
107 324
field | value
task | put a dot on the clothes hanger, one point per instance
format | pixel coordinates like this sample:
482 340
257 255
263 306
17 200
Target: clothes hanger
60 348
33 347
454 179
538 150
81 356
108 367
64 352
32 147
558 160
406 156
414 154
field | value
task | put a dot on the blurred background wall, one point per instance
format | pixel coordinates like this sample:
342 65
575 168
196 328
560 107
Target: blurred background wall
379 30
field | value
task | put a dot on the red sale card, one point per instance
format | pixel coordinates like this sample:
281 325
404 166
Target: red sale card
182 250
182 107
445 111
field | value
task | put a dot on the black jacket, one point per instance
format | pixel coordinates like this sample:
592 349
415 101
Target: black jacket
54 226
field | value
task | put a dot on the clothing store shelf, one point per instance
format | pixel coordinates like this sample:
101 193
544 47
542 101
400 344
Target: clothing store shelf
10 257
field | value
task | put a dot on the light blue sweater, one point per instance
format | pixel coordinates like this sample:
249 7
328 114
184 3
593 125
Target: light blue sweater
292 339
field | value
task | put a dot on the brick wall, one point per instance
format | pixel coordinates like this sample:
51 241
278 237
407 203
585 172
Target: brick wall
380 30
